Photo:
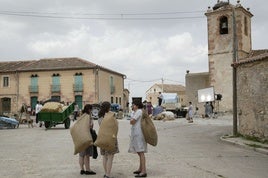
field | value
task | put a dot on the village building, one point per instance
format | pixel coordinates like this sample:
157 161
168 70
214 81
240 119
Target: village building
194 82
63 79
226 43
126 93
229 48
153 92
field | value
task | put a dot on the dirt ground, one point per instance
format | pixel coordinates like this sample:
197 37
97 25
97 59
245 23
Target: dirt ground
181 152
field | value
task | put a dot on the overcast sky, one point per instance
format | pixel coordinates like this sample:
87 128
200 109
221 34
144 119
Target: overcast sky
147 40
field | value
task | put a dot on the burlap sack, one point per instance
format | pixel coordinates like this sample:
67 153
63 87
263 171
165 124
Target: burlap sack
107 132
148 129
64 107
52 107
80 133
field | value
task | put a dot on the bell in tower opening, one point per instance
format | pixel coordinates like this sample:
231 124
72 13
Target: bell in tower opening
223 25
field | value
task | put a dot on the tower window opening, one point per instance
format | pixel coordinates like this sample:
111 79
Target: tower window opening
246 26
224 25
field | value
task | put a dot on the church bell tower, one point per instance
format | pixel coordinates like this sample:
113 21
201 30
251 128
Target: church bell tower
229 39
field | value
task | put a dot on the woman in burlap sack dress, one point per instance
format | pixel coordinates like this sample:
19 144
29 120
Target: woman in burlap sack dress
137 141
84 157
107 156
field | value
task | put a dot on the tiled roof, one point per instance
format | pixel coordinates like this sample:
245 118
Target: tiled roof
257 52
254 55
50 64
13 66
58 64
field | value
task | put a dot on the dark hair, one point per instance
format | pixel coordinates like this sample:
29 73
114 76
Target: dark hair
87 108
138 103
105 107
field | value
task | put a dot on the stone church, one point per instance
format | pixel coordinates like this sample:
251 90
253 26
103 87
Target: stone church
229 39
236 71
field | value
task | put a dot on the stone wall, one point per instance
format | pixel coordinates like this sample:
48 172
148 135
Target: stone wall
252 99
194 82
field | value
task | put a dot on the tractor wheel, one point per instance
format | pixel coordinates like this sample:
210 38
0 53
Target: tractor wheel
47 124
67 123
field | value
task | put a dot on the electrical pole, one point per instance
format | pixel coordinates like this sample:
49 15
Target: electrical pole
162 85
234 74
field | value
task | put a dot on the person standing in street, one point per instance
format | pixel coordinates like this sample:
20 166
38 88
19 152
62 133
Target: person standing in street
160 99
38 108
137 141
208 110
190 112
212 107
149 108
76 110
107 155
84 157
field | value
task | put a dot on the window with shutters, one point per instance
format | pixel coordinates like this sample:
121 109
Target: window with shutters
55 83
78 82
5 81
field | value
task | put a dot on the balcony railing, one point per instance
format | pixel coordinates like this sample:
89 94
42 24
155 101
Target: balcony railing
33 89
55 88
78 87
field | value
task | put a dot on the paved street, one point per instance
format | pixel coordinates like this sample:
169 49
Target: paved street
184 151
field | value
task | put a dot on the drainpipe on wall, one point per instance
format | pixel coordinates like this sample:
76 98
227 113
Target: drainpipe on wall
18 91
123 98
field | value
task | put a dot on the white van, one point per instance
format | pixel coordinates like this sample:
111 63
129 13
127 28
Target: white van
171 102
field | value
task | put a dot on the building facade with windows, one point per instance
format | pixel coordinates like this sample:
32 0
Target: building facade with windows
62 79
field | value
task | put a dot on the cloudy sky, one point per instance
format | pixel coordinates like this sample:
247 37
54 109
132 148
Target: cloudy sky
147 40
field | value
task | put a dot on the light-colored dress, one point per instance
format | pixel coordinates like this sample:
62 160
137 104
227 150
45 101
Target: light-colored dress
191 111
137 141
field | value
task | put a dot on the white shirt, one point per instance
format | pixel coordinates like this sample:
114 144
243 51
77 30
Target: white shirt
38 108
